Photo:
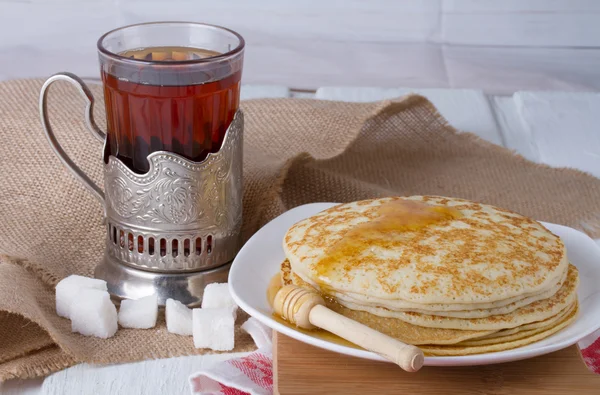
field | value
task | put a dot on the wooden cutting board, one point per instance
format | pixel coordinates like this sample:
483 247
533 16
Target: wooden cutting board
299 368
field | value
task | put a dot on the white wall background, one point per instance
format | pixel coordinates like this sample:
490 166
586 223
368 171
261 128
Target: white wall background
498 46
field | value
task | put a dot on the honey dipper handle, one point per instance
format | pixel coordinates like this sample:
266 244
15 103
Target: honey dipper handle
408 357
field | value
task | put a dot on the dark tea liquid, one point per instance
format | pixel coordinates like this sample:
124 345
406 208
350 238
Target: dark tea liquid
167 107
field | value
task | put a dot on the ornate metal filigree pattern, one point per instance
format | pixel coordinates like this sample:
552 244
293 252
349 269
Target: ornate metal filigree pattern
178 199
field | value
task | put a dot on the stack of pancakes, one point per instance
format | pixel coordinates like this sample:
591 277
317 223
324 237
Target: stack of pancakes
452 276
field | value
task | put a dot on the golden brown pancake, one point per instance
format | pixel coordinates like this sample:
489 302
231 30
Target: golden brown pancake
425 250
400 330
536 311
434 341
452 276
467 350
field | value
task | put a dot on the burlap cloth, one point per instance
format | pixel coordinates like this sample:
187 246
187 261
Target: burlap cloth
296 152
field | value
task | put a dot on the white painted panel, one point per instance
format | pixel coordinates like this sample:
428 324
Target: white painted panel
358 95
522 6
303 65
506 70
55 24
302 94
571 30
550 23
315 43
332 20
556 128
563 126
514 132
466 110
263 91
302 45
39 39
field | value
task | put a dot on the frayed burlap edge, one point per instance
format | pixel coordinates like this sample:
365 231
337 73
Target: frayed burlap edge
38 270
39 363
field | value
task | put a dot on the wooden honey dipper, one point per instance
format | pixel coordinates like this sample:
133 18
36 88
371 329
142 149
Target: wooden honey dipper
307 310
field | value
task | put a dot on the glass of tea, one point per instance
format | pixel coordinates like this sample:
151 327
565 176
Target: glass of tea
169 86
172 156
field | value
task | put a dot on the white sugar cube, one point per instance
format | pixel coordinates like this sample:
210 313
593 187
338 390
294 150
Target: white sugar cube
213 328
179 317
68 287
93 313
141 313
216 296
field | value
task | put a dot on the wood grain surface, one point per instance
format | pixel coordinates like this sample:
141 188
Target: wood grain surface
303 369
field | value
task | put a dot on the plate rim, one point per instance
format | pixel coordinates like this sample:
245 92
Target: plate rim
463 360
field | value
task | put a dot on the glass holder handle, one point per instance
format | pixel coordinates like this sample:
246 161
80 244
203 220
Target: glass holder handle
90 123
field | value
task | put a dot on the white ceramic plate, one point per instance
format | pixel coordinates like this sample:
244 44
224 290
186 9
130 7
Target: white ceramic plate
259 260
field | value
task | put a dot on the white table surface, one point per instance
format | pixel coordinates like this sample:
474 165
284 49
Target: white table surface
560 129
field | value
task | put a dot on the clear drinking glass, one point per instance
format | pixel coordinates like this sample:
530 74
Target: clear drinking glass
169 86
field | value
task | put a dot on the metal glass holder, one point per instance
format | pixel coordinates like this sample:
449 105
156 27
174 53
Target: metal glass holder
172 230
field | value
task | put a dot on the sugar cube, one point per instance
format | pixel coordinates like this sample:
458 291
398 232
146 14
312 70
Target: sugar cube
217 295
68 287
141 313
179 317
213 328
93 313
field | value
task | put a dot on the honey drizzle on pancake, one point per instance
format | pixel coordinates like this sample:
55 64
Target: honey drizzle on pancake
390 219
488 255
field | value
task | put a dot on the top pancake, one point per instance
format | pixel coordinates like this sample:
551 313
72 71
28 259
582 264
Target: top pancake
445 251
